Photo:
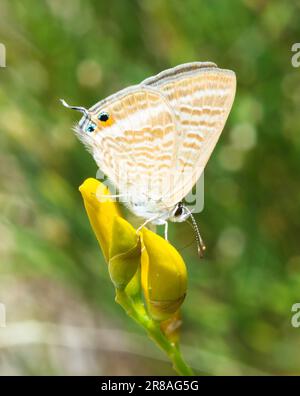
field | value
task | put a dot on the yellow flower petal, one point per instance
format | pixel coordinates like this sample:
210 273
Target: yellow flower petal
124 253
100 213
164 276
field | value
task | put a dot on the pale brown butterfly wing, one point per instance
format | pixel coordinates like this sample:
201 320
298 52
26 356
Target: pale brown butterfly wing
201 96
137 149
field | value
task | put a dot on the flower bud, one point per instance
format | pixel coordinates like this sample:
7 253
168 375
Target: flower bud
124 253
100 213
164 276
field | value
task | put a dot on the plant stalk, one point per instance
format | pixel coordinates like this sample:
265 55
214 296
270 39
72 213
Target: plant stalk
139 314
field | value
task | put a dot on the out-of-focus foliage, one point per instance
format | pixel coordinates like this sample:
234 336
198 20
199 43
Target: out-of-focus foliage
61 317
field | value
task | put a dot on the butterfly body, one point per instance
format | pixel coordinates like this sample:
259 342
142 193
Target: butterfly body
150 210
154 139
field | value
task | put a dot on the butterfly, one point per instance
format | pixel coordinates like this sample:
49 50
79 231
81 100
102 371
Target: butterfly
154 139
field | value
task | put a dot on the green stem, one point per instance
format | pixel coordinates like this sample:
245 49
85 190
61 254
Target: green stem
138 313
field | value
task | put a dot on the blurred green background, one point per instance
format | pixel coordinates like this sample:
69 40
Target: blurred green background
61 315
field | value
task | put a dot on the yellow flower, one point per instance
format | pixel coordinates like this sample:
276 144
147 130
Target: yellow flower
140 263
164 276
117 238
163 272
100 213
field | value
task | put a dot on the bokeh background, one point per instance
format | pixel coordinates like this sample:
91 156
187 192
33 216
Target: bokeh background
61 315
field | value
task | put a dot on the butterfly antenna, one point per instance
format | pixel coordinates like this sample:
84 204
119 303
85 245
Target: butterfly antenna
78 108
200 244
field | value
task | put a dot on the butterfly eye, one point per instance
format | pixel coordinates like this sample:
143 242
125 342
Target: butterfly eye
103 117
90 128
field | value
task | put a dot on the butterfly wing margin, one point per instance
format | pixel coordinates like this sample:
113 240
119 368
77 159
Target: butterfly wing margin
201 96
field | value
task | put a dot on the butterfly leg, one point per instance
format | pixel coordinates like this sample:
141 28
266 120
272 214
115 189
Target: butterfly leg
146 222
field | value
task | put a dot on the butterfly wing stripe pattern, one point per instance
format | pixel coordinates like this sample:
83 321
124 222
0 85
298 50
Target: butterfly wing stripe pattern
201 98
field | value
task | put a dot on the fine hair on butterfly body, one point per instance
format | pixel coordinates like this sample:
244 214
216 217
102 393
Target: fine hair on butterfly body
154 139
